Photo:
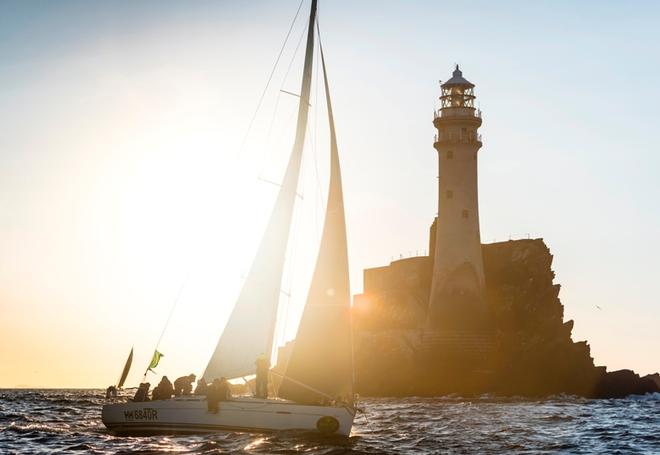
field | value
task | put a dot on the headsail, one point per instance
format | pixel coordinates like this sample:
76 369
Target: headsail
322 357
251 326
127 368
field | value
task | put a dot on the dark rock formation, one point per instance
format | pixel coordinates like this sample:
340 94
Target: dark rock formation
655 377
532 352
621 383
535 353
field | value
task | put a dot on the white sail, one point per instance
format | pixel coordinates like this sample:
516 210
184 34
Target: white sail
321 364
124 372
250 329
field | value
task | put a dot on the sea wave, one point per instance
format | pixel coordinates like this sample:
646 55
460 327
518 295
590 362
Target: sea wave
46 421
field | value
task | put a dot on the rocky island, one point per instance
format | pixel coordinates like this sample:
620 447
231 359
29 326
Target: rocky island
471 318
531 352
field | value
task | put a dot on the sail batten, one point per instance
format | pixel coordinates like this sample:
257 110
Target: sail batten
250 329
322 359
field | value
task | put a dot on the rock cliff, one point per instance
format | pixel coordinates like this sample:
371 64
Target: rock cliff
532 351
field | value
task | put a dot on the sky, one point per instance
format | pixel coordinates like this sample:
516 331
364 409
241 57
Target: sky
127 178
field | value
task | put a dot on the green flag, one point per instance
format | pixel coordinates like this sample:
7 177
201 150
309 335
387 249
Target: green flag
155 359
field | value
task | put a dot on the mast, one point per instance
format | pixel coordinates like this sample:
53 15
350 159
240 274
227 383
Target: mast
251 326
321 363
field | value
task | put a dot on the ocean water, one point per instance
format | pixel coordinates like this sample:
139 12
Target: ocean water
50 421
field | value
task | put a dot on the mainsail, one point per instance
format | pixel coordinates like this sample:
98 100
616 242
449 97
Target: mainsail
250 329
322 358
127 368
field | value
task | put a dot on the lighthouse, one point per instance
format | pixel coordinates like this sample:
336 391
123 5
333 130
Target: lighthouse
457 301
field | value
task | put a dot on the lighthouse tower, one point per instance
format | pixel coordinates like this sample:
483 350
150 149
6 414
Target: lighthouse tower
457 301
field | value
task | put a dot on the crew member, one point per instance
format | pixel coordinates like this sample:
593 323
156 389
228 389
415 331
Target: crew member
218 391
224 389
142 393
213 396
202 387
164 390
111 392
263 365
183 385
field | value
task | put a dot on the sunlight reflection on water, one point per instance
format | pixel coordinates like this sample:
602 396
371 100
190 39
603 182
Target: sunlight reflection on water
69 420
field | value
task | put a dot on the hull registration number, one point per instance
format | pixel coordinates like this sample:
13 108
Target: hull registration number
141 414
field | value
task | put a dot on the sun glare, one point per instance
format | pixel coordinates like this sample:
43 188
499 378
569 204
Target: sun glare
178 209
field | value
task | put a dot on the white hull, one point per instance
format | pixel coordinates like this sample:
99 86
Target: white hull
189 414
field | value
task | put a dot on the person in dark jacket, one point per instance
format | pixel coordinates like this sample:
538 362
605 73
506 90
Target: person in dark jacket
218 391
142 393
202 387
111 392
184 385
213 396
164 390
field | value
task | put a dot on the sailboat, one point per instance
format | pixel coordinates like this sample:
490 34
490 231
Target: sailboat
316 390
111 392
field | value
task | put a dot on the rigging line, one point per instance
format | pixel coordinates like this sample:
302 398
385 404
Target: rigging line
277 140
310 140
318 184
293 58
263 94
279 94
270 129
297 226
285 304
277 100
302 384
293 252
314 147
169 316
294 246
297 221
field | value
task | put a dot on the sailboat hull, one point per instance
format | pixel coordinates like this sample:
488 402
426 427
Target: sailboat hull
190 415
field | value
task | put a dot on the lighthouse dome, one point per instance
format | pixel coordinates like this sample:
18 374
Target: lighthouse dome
457 80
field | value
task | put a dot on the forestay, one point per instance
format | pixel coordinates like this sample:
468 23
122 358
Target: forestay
250 329
322 358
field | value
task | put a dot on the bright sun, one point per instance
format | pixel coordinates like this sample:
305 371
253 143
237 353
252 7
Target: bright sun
177 209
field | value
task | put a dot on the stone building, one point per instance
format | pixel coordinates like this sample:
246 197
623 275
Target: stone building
457 287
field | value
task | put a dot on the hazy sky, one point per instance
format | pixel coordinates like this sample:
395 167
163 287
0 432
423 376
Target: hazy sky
121 180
